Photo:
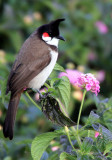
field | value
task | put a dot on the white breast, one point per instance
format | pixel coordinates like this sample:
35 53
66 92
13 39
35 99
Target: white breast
40 79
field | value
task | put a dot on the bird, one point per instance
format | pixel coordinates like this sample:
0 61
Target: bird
33 65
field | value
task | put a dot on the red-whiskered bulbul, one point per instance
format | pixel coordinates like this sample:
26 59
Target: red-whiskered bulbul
32 67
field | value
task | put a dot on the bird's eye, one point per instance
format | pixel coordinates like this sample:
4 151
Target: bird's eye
45 34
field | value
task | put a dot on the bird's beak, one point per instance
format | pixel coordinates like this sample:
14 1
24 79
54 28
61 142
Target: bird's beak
60 37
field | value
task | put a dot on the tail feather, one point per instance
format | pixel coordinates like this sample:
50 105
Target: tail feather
11 115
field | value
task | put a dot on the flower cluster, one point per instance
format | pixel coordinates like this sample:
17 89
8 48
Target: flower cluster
84 81
89 82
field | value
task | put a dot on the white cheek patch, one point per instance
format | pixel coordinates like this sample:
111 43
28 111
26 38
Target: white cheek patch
54 41
46 38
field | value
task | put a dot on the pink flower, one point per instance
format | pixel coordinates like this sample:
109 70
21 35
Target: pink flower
72 75
97 134
55 148
102 28
89 82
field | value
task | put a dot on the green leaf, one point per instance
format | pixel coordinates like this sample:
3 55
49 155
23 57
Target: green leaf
57 67
109 104
40 143
52 91
66 156
83 157
93 117
109 155
86 145
104 131
55 82
104 138
107 117
108 148
54 156
101 143
60 131
64 90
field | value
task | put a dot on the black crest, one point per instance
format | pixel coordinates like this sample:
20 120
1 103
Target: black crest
51 28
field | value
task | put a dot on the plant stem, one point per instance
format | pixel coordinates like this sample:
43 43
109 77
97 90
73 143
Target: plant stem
67 132
72 128
76 135
26 93
66 128
88 133
80 110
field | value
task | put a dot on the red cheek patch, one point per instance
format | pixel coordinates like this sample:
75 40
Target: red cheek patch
45 34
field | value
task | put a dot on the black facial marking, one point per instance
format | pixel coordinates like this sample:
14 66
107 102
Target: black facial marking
52 28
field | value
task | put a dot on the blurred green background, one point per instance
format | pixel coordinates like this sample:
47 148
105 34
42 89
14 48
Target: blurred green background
88 48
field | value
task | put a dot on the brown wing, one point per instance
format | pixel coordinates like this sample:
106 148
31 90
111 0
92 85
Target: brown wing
31 60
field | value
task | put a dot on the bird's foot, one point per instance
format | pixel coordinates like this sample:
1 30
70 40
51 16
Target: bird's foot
45 95
42 96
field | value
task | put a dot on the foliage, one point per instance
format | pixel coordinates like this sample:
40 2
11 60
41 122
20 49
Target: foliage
40 143
85 49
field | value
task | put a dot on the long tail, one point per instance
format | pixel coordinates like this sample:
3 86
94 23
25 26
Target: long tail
11 115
